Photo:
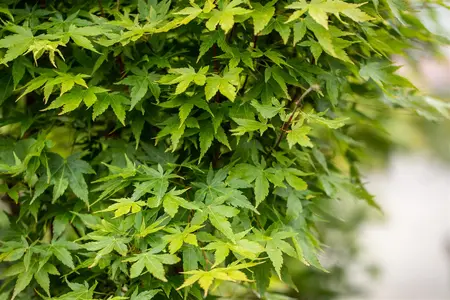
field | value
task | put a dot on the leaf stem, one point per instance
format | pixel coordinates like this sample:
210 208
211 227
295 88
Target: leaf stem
102 12
287 123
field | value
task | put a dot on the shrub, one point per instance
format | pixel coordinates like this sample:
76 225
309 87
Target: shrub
171 148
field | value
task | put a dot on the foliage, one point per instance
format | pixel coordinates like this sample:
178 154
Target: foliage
169 148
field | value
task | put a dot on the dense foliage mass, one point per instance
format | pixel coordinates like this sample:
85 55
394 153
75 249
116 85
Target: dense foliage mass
170 148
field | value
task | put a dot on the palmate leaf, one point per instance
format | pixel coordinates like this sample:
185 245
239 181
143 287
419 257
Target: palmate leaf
171 202
64 173
262 15
153 263
104 245
140 83
79 291
299 135
79 35
124 206
217 191
243 247
176 238
320 9
216 136
206 278
117 102
73 99
226 84
184 77
155 182
50 80
253 174
225 16
17 43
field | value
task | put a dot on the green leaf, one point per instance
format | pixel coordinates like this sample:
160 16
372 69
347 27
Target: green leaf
153 263
137 125
261 188
172 202
124 206
296 182
262 274
63 255
191 257
322 35
104 245
23 280
275 255
43 280
16 44
262 15
246 126
69 172
140 84
206 137
218 217
319 10
299 135
116 101
18 71
183 77
72 100
299 32
225 17
282 28
146 295
227 84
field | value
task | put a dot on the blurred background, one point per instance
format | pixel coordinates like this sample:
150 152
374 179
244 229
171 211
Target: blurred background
404 252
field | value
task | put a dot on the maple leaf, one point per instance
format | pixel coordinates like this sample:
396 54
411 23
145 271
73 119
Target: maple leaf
225 16
152 262
176 237
262 15
17 44
206 278
117 101
66 173
72 100
123 206
184 77
140 83
226 84
299 135
319 10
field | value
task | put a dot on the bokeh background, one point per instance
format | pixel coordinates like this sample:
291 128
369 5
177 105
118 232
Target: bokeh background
404 253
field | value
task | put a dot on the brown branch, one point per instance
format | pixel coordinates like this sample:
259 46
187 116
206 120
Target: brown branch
102 12
287 123
206 258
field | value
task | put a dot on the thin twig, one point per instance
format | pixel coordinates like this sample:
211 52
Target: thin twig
206 258
102 12
288 122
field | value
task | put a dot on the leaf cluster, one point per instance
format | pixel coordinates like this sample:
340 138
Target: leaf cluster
165 149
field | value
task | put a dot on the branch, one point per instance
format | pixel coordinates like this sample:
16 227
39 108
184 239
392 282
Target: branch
287 123
102 12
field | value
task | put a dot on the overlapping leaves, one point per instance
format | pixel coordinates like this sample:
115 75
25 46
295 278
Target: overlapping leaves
165 147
